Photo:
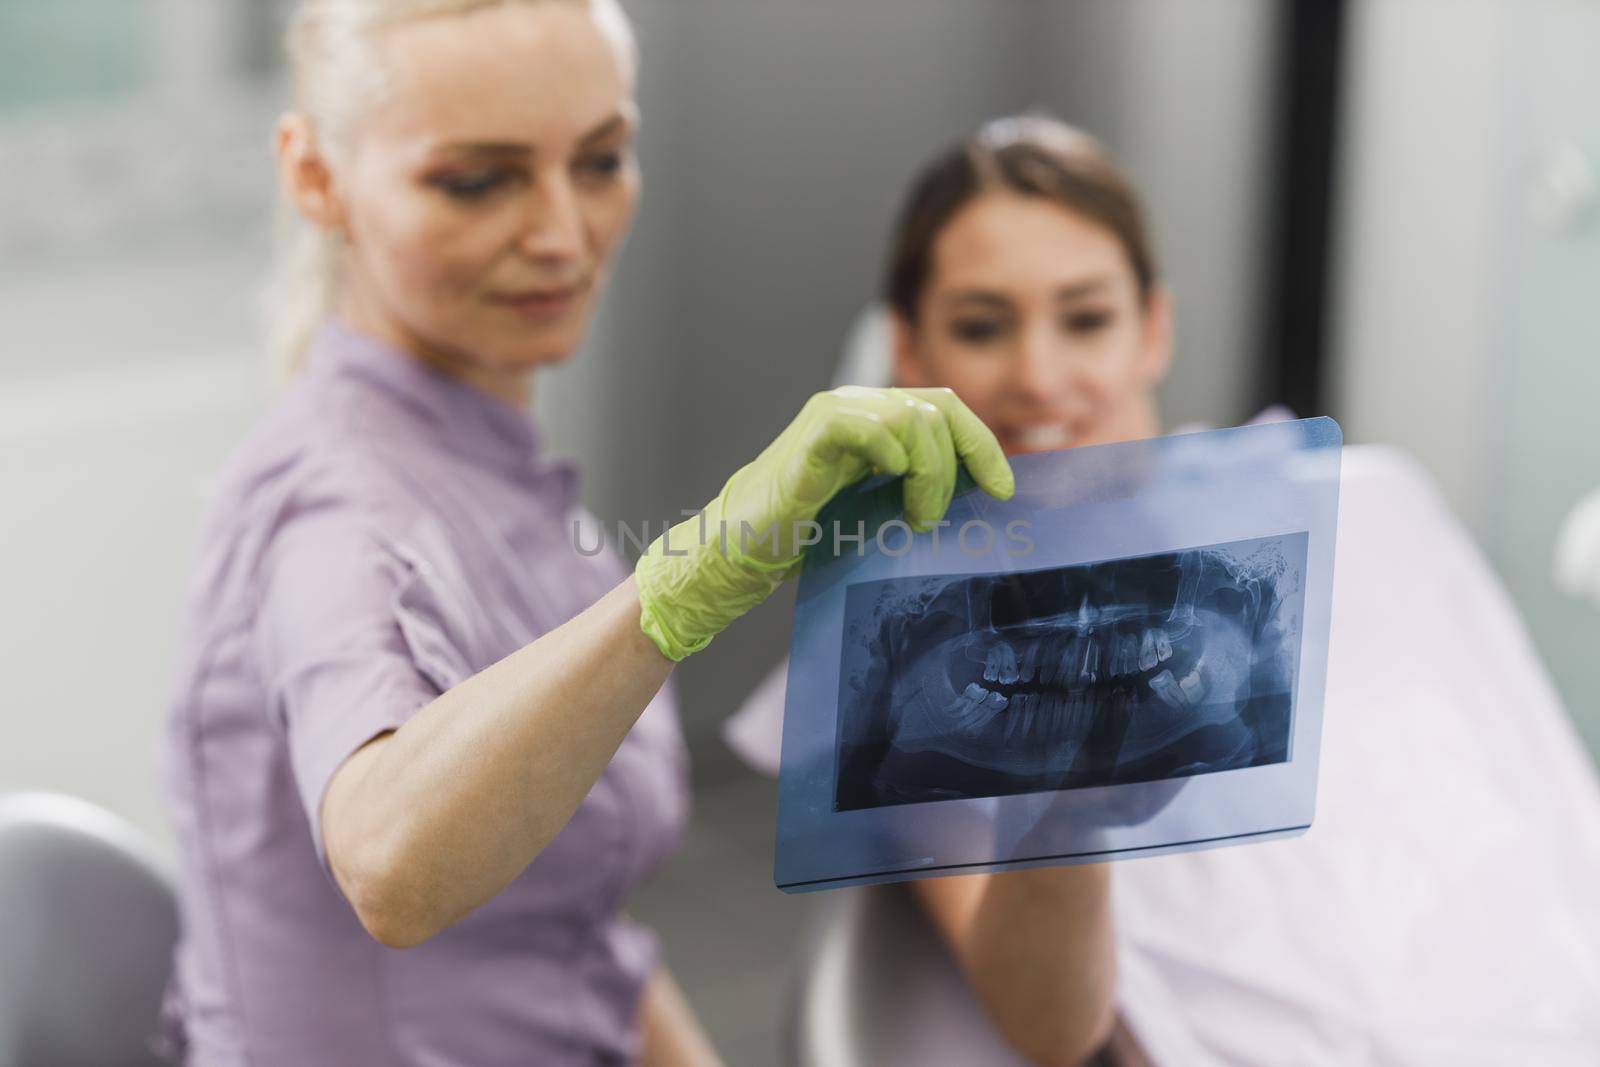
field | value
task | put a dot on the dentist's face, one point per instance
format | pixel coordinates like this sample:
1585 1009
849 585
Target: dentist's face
483 198
1032 315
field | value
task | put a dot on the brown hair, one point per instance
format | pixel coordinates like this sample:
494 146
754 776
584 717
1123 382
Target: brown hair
1032 155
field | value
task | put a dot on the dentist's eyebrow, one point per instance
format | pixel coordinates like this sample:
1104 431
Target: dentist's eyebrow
615 124
618 123
482 148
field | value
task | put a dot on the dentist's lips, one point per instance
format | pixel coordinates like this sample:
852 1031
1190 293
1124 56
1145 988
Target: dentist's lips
541 303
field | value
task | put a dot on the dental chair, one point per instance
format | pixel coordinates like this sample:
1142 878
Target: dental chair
88 921
876 987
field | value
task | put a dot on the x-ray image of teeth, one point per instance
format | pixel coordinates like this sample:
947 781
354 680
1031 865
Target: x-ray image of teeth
1126 670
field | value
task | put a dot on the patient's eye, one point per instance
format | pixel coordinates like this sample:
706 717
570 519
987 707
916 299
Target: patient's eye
1086 321
977 331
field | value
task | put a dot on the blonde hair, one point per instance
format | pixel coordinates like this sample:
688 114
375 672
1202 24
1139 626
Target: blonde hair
337 73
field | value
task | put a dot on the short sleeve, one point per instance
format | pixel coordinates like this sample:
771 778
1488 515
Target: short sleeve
347 639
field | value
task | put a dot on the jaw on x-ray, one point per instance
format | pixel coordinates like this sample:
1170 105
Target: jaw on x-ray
1127 670
1146 676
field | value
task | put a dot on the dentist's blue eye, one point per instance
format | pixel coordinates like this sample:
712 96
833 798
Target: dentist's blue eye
470 186
600 168
609 163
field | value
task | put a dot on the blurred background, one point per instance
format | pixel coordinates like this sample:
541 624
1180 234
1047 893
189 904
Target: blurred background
1381 210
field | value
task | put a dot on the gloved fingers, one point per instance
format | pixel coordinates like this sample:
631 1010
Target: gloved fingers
975 443
860 431
930 481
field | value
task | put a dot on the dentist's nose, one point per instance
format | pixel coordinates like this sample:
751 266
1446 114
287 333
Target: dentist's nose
553 229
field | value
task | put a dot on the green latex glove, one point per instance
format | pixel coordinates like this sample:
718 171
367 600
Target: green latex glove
690 588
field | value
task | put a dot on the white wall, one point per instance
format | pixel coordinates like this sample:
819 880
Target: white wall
1183 93
1416 298
1466 321
124 390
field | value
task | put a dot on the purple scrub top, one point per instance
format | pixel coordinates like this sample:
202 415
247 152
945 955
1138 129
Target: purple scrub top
387 532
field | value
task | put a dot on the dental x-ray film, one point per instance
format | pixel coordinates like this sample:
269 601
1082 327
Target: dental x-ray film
1125 659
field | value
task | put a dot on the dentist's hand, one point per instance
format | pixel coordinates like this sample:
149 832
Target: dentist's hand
690 588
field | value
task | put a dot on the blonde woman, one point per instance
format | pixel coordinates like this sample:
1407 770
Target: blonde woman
421 748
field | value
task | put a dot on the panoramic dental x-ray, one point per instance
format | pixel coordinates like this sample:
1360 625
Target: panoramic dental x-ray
1123 659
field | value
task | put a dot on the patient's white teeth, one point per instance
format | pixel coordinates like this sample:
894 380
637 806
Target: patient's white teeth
1163 646
1166 687
991 672
1130 654
1086 616
1147 651
1042 438
997 701
975 692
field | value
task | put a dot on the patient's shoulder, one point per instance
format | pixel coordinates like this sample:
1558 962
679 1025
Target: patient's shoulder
1392 509
755 730
1389 472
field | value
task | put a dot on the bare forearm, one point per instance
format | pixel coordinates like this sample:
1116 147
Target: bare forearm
1036 947
435 819
1041 954
672 1035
